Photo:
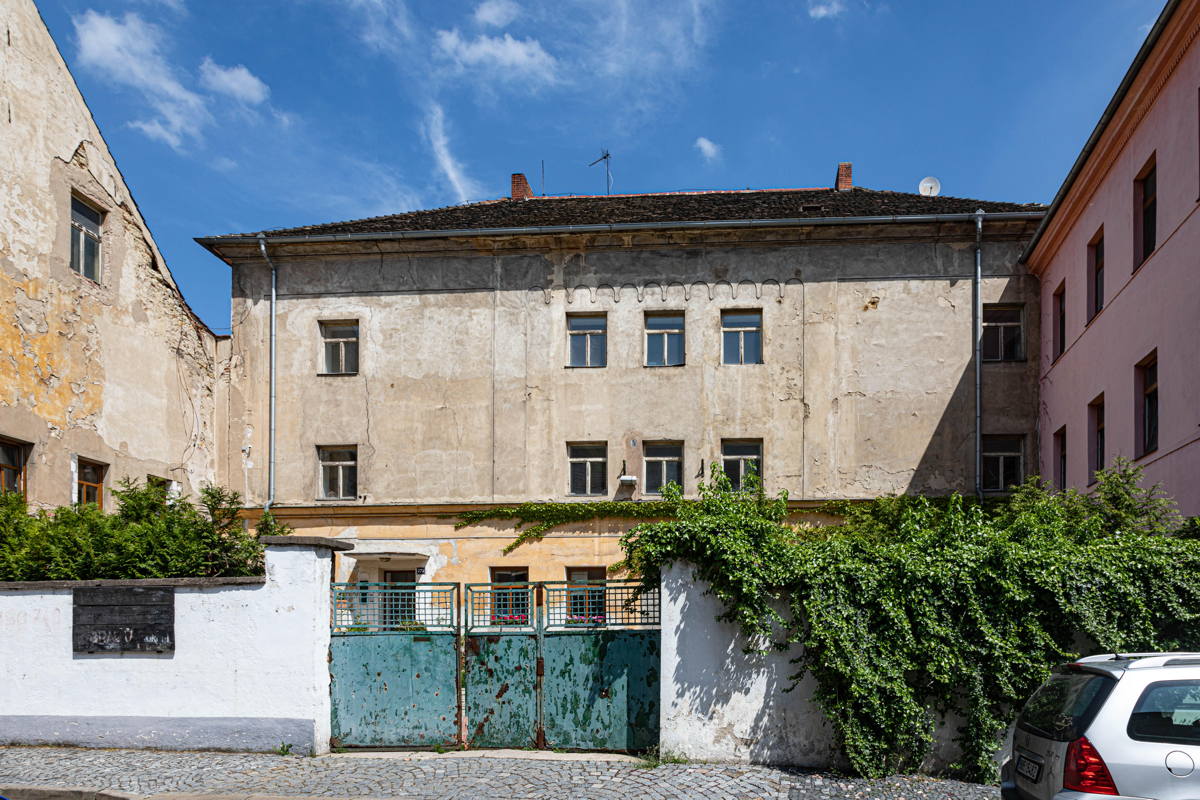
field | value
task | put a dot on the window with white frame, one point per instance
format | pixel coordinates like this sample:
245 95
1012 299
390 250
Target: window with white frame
741 457
741 337
664 340
85 239
1003 462
664 464
588 465
587 336
340 340
339 472
1003 333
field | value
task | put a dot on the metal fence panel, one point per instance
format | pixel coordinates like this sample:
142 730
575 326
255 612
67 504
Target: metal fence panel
394 608
501 690
600 604
501 607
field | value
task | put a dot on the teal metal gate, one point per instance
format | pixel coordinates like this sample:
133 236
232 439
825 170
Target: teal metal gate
394 664
562 665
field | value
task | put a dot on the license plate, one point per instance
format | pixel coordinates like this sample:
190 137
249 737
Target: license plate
1028 768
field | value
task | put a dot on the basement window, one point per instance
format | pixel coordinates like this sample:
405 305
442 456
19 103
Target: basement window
340 340
339 472
85 239
1003 333
1003 462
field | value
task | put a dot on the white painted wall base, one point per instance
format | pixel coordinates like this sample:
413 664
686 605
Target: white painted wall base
250 665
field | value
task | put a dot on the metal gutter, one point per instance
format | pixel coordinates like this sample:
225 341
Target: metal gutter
977 346
211 242
1109 112
262 246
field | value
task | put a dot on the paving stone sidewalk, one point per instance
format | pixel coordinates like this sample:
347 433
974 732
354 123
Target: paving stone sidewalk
154 772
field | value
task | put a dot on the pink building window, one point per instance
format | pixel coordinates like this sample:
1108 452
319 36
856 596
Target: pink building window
1145 207
1147 408
1060 458
1096 275
1096 450
1059 310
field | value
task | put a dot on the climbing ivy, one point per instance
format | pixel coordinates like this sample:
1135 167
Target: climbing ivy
913 607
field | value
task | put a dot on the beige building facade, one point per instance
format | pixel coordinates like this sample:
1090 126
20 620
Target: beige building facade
457 359
105 373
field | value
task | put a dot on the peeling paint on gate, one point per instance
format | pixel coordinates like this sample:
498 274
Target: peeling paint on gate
501 690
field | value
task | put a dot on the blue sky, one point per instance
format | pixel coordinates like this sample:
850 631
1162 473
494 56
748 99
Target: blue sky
239 116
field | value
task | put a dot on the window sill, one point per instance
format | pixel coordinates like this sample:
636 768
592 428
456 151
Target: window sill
1142 455
664 366
1005 361
742 364
336 499
583 366
337 374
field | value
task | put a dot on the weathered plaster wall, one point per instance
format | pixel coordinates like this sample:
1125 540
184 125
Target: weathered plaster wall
117 371
463 394
249 670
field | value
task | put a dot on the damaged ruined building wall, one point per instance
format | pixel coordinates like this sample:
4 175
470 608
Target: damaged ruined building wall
463 395
116 371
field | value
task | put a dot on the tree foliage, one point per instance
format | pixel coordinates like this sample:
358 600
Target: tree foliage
912 607
151 535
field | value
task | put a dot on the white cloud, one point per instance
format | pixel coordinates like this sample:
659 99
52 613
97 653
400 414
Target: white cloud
386 24
505 56
496 13
708 148
128 51
177 6
237 82
224 164
464 188
825 9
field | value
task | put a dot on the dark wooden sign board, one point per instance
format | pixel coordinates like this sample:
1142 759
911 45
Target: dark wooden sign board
124 619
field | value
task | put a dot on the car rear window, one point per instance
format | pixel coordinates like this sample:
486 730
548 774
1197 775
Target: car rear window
1065 705
1167 711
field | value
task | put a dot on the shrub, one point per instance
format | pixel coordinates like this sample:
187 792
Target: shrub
912 606
150 536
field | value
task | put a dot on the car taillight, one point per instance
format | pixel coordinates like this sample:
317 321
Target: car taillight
1085 771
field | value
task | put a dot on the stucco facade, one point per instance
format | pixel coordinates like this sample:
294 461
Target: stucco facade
117 370
464 395
1094 381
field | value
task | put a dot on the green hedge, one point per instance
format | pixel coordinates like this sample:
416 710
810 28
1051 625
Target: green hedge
150 536
915 606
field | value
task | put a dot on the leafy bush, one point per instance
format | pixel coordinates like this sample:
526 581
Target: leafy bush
913 606
150 536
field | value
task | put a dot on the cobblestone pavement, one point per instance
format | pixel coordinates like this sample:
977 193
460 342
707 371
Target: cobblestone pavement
155 772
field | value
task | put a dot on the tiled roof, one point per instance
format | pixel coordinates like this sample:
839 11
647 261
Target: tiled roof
662 208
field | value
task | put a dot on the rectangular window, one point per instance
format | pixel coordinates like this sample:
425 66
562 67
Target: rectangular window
85 239
1096 451
664 464
1059 312
340 340
12 466
339 472
1145 222
587 336
740 458
1096 276
741 337
589 468
1064 707
1167 712
1003 333
1060 459
510 603
1147 383
586 600
1003 462
90 482
399 602
664 340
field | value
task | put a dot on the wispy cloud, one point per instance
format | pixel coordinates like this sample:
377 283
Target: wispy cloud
826 9
496 13
501 57
464 188
236 82
387 26
129 51
710 150
178 6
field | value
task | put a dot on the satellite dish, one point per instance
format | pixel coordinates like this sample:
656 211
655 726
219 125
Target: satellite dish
931 187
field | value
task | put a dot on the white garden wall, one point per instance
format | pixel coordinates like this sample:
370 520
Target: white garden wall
249 670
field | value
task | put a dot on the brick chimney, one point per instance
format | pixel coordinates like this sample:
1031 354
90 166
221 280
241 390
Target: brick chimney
844 180
520 187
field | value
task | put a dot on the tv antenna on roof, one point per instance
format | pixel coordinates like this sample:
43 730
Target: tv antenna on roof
606 157
930 187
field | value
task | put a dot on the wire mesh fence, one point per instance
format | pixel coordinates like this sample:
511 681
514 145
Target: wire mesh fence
394 607
503 606
600 604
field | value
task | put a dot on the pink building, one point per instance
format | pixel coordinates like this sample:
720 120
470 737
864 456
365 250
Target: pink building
1118 255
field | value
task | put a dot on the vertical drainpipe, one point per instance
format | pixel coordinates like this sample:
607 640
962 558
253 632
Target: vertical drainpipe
262 246
977 332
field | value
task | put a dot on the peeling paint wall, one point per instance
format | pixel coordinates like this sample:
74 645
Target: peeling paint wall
117 371
464 394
